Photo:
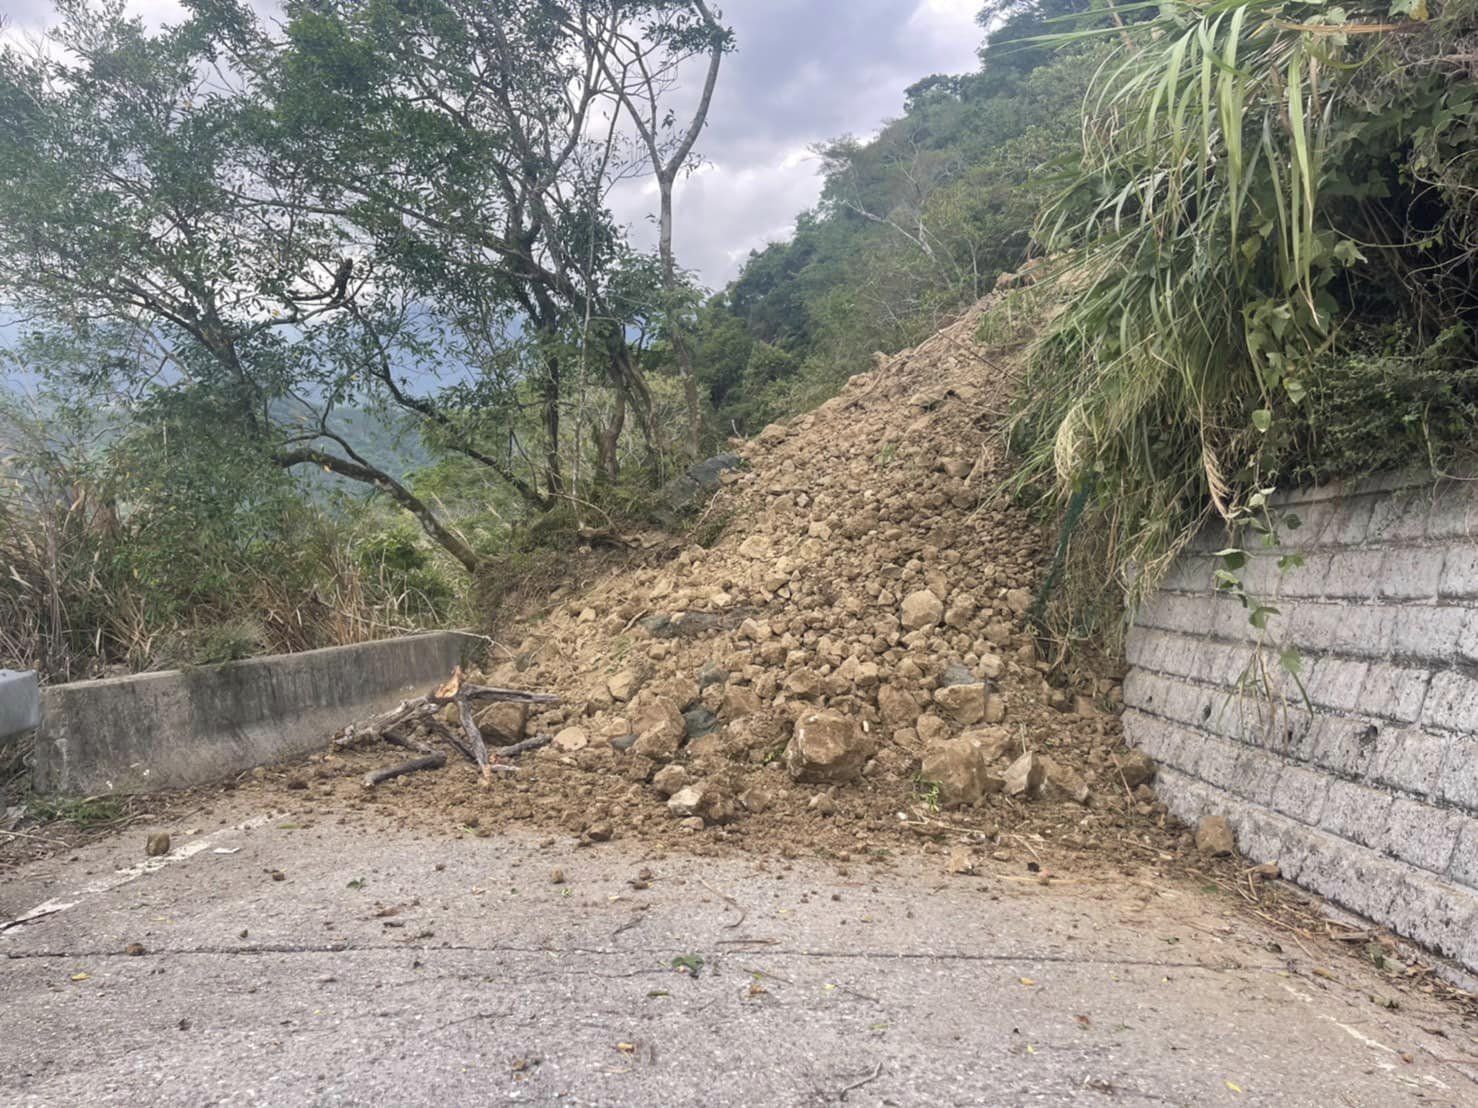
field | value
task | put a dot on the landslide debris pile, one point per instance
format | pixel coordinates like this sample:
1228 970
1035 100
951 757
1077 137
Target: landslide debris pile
849 657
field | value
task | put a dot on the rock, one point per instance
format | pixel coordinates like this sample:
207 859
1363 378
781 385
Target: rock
686 801
624 685
659 726
962 704
993 743
739 702
712 674
957 674
756 547
827 747
961 862
503 722
600 832
1025 776
1214 837
995 708
757 798
823 804
897 706
1018 600
699 721
556 877
921 609
157 845
960 771
572 739
135 950
706 802
932 730
804 683
1068 781
1137 768
772 434
670 779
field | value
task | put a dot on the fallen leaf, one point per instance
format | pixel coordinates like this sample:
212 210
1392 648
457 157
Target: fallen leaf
81 977
1028 982
1234 1088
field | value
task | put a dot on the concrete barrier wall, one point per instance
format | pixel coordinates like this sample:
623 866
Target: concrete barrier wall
1367 791
192 727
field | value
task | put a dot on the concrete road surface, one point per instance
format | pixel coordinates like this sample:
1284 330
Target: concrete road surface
385 968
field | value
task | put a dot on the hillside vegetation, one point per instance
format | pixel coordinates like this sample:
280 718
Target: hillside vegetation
338 335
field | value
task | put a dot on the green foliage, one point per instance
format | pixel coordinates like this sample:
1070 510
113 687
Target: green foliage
1251 183
1388 405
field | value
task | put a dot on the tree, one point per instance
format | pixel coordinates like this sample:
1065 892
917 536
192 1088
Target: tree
640 48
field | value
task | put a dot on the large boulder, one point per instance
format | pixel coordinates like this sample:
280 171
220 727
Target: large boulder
827 748
961 772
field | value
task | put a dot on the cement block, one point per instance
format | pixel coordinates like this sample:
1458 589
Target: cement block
20 703
1421 834
193 727
1460 573
1452 703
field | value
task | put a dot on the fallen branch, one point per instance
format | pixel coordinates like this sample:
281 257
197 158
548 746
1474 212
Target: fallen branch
423 714
524 747
415 765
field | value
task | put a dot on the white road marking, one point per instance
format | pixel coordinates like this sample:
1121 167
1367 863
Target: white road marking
122 877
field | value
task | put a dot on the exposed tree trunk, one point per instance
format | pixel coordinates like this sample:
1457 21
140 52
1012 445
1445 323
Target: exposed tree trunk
675 323
608 440
366 474
549 389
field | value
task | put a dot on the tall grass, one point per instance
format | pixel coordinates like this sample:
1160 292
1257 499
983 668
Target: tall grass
1214 241
82 593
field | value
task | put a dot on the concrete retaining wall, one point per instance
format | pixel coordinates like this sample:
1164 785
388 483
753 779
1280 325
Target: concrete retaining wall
1367 793
192 727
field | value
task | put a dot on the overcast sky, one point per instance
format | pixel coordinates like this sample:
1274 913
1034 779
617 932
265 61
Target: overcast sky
805 71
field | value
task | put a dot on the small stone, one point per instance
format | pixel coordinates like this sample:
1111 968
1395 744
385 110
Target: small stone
157 845
756 547
1068 781
1018 600
600 832
557 877
572 739
961 862
1025 776
1214 837
669 779
962 704
135 950
699 722
921 609
624 685
1137 767
823 804
686 801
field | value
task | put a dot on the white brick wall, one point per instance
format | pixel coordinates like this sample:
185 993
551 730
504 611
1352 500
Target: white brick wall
1371 798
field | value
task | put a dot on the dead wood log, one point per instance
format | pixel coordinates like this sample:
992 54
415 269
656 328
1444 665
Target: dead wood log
415 765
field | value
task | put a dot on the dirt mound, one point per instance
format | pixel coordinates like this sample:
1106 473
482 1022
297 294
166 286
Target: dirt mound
846 660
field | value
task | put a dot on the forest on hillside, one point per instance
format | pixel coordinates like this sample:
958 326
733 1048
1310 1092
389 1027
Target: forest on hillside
373 241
